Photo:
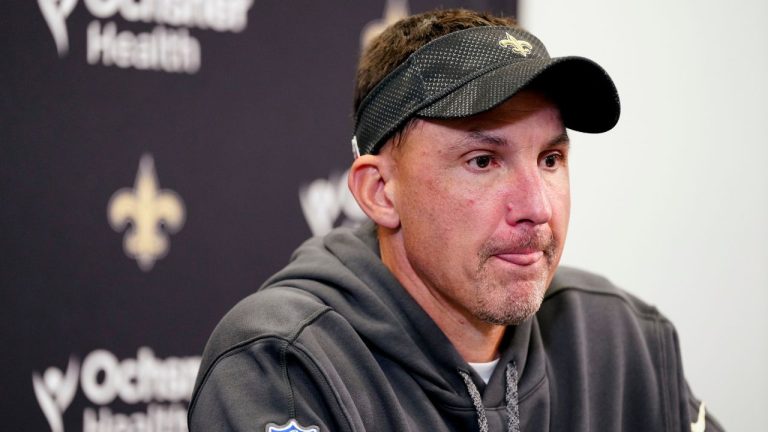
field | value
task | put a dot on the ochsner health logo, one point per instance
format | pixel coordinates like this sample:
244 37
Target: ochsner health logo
167 47
162 384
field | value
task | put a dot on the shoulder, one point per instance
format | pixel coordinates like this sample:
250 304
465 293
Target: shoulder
275 315
279 311
588 290
261 362
588 323
583 306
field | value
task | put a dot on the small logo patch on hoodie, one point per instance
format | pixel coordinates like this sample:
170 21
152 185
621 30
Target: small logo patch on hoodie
291 426
700 424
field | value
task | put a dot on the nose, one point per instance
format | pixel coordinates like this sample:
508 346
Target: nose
528 201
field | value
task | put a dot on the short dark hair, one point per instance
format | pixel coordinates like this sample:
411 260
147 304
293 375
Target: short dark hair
398 41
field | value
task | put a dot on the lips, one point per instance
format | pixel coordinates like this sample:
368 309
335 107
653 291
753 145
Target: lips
521 258
521 249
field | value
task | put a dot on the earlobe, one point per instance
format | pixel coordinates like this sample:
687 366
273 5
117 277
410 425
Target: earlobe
369 181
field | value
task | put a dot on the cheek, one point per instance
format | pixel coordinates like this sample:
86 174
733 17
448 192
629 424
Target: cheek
560 201
422 198
435 212
460 202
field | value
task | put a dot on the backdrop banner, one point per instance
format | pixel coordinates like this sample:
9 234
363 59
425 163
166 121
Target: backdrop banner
160 159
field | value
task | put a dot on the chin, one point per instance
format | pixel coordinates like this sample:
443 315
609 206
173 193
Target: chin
513 307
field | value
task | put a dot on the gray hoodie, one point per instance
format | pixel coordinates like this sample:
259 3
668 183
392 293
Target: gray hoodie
334 342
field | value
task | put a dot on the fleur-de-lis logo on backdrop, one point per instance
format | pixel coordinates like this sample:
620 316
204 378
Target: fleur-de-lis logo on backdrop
153 214
518 46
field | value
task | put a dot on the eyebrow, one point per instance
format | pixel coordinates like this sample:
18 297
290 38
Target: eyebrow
562 139
484 137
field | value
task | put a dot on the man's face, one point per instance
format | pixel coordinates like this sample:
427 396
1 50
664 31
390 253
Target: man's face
483 204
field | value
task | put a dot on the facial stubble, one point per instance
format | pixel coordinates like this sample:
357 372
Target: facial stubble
511 298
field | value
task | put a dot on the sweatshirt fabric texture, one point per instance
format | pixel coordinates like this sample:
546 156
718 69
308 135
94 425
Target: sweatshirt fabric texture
334 342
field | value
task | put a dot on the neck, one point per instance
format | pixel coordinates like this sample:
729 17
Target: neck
476 341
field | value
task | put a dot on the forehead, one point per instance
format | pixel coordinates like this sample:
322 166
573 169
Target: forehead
528 115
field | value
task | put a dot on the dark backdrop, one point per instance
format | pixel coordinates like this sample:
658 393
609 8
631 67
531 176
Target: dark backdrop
234 107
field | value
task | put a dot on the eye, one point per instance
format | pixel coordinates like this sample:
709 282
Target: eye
480 162
552 160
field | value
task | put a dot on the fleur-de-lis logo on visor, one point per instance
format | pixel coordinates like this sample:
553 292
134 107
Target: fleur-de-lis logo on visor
149 210
518 46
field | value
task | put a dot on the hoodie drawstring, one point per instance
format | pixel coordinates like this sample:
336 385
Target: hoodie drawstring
482 420
513 413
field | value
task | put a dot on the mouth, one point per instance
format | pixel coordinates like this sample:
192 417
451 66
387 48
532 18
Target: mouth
521 258
521 250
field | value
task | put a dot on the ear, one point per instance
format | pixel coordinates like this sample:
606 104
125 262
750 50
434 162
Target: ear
371 183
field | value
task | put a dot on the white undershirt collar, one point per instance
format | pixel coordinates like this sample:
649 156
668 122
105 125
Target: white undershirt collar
485 369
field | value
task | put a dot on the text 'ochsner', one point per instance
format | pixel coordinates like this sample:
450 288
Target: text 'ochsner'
162 386
168 46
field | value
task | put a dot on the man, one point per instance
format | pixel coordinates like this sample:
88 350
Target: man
449 312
